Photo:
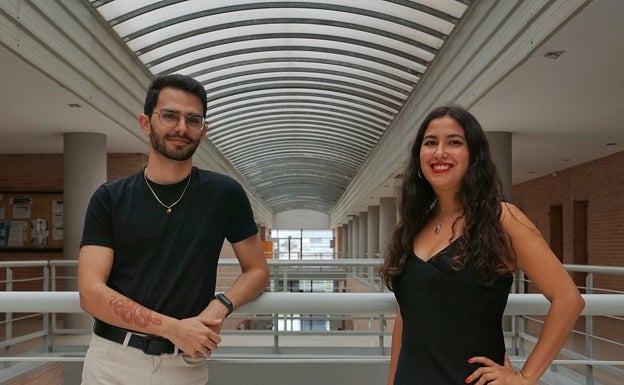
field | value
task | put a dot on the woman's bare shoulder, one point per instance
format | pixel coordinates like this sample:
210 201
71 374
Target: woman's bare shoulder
513 219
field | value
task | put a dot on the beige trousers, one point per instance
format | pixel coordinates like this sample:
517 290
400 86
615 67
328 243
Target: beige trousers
110 363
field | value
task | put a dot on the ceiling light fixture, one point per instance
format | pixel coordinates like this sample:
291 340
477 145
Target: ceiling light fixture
553 55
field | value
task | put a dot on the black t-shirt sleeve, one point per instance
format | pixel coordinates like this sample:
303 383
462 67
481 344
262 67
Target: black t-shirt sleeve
97 228
240 224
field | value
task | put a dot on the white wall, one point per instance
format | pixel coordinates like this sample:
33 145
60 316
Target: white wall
301 219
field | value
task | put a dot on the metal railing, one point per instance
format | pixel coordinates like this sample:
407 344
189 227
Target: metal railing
590 338
374 309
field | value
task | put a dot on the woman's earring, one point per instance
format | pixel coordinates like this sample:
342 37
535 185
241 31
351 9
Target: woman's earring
420 175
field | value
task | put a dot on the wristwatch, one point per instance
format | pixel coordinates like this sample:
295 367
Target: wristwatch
226 302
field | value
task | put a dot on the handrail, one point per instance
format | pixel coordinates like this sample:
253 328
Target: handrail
30 263
222 262
313 262
300 358
617 270
311 303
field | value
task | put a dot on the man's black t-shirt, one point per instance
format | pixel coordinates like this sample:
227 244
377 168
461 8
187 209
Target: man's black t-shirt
167 262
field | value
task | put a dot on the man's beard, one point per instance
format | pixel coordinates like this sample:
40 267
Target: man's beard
160 145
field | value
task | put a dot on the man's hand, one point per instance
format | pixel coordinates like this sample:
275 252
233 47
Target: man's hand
197 336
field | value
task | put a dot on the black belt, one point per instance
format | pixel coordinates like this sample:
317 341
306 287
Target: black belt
152 345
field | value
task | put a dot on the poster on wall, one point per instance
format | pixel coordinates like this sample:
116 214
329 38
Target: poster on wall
17 233
57 219
39 232
4 233
31 220
21 211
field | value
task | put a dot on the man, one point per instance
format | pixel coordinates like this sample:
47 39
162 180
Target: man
148 258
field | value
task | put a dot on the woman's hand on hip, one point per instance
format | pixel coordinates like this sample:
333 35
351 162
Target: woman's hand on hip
492 373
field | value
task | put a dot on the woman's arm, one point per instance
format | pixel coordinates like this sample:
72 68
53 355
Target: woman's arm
539 263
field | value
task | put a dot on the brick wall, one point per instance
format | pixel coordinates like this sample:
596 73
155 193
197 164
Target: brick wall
31 173
601 184
44 172
120 165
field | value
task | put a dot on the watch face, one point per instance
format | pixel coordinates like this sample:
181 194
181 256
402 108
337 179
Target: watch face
224 299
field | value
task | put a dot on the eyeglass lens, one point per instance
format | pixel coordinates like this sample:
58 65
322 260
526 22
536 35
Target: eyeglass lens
170 118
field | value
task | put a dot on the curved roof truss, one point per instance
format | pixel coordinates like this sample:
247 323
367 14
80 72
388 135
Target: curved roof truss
300 92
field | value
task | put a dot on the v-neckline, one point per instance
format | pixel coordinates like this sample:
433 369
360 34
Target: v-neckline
433 256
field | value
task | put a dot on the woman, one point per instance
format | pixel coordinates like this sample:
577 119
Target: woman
450 265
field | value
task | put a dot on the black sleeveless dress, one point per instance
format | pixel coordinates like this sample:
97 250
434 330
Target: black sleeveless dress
448 317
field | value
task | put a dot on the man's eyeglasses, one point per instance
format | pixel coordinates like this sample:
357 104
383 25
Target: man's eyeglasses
170 118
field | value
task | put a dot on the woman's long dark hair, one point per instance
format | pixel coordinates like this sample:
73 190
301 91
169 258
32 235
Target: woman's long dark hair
483 242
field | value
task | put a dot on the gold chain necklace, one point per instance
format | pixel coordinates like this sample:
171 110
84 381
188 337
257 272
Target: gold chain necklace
158 199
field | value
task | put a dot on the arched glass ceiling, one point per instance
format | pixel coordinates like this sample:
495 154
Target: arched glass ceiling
299 92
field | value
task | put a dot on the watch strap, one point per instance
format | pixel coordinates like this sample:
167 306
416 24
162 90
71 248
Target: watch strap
226 302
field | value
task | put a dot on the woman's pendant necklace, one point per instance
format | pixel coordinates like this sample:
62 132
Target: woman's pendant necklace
437 229
158 199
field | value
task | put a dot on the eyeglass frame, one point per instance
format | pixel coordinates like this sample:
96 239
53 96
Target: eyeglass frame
171 124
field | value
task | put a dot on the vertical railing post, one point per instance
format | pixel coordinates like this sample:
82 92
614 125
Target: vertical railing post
381 334
53 315
8 327
275 279
519 323
275 329
512 319
381 282
46 338
589 332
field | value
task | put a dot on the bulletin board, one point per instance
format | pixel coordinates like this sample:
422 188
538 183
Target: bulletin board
31 220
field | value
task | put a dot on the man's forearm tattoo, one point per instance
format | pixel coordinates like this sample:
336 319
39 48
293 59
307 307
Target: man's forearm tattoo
132 312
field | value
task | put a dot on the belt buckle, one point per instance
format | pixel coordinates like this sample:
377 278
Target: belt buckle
153 345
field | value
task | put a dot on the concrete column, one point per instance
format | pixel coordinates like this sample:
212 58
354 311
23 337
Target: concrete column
355 251
500 150
338 241
363 235
350 251
387 220
84 170
372 238
373 231
345 241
